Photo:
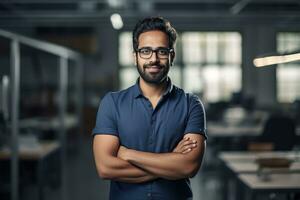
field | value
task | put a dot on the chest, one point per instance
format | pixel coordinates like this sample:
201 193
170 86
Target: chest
143 128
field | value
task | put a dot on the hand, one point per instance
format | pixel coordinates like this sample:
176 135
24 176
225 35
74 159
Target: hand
185 146
122 152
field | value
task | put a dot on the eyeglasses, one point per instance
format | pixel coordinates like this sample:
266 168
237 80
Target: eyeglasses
161 52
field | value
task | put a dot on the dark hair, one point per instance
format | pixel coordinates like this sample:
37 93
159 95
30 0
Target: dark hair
150 24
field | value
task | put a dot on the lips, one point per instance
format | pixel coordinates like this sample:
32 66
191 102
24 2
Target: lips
153 69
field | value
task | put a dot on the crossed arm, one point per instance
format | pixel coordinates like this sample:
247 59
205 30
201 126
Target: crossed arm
116 162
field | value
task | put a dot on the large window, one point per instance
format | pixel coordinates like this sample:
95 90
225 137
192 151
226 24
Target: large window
207 63
288 74
212 64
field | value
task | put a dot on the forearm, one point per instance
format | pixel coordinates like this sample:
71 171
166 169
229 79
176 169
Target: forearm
140 179
114 168
109 166
166 165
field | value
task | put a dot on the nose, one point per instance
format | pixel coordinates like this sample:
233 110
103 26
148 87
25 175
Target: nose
154 57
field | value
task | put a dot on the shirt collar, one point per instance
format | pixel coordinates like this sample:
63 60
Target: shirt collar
138 92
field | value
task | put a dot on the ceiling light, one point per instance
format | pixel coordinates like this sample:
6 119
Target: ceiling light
273 60
116 21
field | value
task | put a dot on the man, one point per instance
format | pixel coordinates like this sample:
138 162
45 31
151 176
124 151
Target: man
150 138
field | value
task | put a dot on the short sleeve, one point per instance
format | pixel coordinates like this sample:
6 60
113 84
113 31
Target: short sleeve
196 121
106 122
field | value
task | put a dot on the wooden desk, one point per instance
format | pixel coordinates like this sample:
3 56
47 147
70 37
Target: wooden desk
39 154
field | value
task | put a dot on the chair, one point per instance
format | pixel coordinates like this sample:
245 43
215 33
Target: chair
281 131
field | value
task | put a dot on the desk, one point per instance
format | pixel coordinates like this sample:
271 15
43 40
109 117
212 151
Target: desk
283 183
225 136
227 130
252 168
246 156
50 123
243 168
39 154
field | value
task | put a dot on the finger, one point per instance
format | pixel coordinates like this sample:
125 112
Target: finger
191 146
182 142
189 142
185 145
187 151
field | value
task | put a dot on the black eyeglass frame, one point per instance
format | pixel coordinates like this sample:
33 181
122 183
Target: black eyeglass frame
170 50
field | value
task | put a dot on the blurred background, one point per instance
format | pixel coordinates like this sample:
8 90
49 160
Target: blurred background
58 58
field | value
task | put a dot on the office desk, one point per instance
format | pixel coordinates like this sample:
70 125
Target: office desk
227 130
39 154
278 183
253 168
247 156
243 169
50 123
232 137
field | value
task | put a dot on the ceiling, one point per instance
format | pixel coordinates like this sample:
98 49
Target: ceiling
93 12
14 8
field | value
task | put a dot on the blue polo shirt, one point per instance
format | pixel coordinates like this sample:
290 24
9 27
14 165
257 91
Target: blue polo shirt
130 116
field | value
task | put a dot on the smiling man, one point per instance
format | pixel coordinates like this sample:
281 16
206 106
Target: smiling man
149 139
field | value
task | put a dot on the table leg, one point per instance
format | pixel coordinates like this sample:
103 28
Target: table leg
40 180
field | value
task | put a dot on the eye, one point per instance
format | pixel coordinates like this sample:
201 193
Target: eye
163 51
145 51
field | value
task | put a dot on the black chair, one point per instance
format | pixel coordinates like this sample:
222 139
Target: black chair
281 131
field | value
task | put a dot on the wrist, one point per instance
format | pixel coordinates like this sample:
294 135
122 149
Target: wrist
128 154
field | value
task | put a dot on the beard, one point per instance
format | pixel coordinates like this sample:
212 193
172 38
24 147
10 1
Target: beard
153 78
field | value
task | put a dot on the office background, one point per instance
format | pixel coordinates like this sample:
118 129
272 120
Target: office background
60 86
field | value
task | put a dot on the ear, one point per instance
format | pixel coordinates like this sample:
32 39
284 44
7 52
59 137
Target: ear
134 58
172 57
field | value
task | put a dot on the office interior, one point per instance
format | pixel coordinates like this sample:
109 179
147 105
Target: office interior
58 59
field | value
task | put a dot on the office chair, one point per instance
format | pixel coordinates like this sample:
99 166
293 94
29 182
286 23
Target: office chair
280 130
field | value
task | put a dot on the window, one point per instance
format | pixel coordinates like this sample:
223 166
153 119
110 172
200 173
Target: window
212 64
288 74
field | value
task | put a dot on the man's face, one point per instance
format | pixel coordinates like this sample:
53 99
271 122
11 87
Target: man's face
154 69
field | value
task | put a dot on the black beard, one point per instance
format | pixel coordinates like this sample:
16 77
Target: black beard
153 79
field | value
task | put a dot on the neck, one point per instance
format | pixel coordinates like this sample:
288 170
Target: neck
152 90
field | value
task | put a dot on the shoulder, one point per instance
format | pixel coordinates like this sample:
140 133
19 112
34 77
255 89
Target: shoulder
115 96
193 98
190 97
195 101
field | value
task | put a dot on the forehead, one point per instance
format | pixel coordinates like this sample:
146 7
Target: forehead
153 38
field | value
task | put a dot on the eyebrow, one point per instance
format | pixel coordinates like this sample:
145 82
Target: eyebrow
153 48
